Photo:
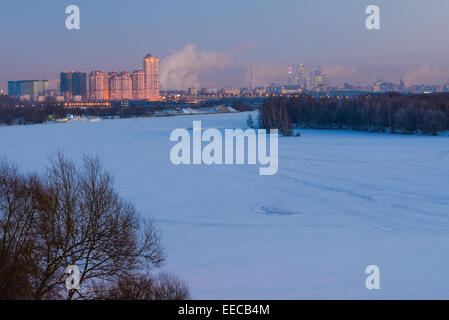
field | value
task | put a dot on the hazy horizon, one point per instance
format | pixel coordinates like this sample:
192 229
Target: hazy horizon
210 44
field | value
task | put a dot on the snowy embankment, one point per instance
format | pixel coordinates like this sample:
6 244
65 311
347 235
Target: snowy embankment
340 201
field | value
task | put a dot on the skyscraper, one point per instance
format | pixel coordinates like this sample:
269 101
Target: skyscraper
290 75
115 86
106 87
73 84
126 86
66 85
96 85
151 70
138 78
301 77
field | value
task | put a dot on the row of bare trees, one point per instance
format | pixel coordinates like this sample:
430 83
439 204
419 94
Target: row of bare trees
73 216
274 114
13 112
390 112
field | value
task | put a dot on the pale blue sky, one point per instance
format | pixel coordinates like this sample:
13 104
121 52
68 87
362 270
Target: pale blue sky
115 35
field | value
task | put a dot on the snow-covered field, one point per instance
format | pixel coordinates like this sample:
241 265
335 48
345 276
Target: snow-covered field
340 201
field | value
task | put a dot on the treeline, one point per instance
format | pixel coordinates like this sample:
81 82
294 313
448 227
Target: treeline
13 112
72 216
390 112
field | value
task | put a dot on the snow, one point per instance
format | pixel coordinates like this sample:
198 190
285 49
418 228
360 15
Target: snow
340 201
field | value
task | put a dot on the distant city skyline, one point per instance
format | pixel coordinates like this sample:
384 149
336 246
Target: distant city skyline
211 44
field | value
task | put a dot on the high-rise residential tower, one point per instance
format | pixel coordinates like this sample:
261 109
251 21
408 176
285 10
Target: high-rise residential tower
126 85
96 85
151 70
138 78
74 84
65 85
115 86
106 87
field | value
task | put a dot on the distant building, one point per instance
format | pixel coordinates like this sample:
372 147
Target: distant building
230 91
106 94
321 81
300 77
290 75
138 83
96 86
446 87
424 88
151 70
115 86
291 89
120 86
73 83
274 88
209 91
389 87
24 97
361 87
192 91
31 88
126 85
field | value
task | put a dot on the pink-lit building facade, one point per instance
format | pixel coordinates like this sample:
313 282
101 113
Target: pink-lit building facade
140 85
138 82
151 69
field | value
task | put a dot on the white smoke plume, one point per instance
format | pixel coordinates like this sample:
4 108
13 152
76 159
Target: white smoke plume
426 74
181 69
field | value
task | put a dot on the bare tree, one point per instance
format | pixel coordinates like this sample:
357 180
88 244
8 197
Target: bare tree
274 115
163 286
84 222
393 112
433 122
70 216
17 217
